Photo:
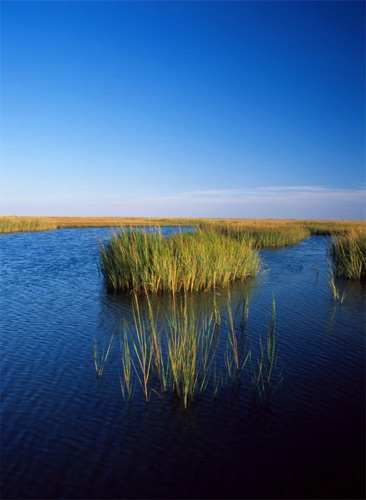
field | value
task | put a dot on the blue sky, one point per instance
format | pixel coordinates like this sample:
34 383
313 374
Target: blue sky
183 109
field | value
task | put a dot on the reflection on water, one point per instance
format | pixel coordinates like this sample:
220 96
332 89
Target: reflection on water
190 343
68 434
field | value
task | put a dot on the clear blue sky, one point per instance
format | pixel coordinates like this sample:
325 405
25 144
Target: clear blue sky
202 109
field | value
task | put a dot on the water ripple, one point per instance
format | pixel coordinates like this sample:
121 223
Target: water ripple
68 434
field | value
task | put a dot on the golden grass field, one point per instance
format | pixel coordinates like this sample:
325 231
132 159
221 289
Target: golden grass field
9 224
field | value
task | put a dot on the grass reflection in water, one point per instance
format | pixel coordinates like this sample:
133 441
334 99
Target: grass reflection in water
182 353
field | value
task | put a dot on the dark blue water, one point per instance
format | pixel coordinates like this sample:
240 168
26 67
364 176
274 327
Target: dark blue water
67 434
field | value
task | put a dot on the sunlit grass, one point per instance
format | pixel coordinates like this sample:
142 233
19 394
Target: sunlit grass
265 377
254 226
332 284
349 254
172 354
190 351
79 222
260 234
331 227
22 224
100 359
279 232
143 348
184 353
137 260
126 360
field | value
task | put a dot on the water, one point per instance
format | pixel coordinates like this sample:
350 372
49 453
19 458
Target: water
67 434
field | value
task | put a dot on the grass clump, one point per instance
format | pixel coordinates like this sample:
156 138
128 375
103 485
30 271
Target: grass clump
190 343
172 354
136 260
349 254
178 353
337 296
184 353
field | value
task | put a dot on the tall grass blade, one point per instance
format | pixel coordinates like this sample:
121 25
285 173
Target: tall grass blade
100 361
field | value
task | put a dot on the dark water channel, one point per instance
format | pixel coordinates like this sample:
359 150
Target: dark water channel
67 434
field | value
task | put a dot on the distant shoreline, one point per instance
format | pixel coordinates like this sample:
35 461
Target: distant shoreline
13 223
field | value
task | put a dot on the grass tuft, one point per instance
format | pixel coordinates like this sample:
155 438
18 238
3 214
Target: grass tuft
349 254
136 260
183 353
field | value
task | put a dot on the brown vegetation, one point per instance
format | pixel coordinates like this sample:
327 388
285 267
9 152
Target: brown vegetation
26 223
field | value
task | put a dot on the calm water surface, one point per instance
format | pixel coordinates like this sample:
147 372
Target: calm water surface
67 434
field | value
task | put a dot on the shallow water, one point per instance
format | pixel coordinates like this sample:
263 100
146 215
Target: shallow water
67 434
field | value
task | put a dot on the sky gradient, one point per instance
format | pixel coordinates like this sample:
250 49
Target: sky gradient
183 109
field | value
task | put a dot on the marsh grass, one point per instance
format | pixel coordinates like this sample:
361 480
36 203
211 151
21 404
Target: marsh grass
13 224
233 342
183 345
100 359
174 357
143 347
348 252
265 377
126 381
84 222
271 343
332 284
331 227
184 353
191 346
136 260
337 295
320 227
260 234
242 310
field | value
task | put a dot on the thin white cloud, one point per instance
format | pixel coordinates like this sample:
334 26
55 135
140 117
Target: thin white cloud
285 202
262 202
273 189
272 193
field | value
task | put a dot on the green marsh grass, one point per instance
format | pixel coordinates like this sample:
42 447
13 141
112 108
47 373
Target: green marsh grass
136 260
191 349
349 254
100 359
183 344
242 310
172 354
332 284
127 381
271 343
265 377
233 340
260 234
143 347
183 352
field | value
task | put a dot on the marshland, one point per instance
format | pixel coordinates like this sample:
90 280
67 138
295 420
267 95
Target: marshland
182 358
